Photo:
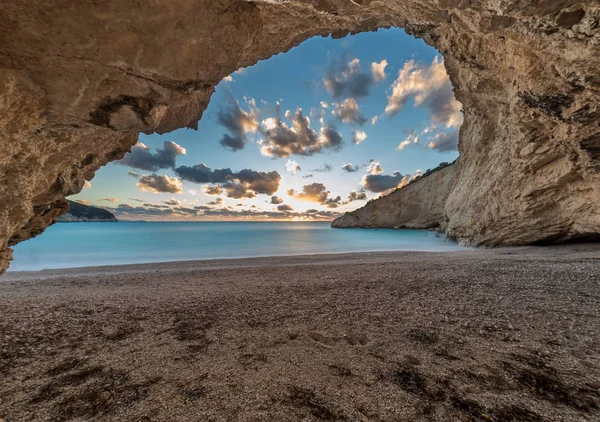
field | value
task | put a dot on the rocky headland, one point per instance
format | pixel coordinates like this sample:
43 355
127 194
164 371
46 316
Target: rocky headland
85 213
418 205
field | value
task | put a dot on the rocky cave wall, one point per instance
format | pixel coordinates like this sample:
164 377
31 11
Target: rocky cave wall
80 80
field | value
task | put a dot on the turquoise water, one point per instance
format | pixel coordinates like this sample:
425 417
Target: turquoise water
67 245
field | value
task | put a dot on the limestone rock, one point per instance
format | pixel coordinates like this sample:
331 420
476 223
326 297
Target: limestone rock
80 80
419 205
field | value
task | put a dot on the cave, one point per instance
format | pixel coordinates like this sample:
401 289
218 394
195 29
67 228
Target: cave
81 81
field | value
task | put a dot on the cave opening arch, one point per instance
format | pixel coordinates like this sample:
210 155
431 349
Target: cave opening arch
526 75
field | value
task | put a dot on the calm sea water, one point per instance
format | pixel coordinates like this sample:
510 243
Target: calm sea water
67 245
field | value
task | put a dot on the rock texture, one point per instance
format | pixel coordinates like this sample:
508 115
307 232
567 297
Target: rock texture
418 205
80 80
85 213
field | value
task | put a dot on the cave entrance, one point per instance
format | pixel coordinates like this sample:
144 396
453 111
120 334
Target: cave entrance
302 136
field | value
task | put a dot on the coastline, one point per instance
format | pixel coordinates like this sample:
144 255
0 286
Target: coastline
485 334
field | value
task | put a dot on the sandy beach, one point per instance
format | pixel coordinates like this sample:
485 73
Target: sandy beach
495 335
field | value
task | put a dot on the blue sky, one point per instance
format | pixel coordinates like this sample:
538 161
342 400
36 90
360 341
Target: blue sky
343 86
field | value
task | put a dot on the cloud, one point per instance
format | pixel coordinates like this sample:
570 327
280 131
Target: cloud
243 184
205 212
324 104
348 167
87 184
347 80
281 140
325 168
430 87
285 208
83 202
141 157
382 182
374 120
358 136
403 145
308 176
110 199
276 200
228 79
292 166
172 201
374 167
444 142
133 174
212 190
238 122
217 201
316 192
348 112
411 138
357 196
155 183
378 70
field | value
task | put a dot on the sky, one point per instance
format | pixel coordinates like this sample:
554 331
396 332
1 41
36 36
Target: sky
305 135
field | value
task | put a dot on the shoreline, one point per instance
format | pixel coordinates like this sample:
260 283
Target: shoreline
587 249
488 334
118 268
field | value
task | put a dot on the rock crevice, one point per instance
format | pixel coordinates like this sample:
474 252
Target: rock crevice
79 82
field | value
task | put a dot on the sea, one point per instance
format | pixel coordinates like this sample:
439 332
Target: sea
66 245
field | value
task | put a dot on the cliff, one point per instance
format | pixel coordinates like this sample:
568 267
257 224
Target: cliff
418 205
85 213
80 80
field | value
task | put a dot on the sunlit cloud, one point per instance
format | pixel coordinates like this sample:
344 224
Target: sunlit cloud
378 70
445 142
349 168
212 190
276 200
358 136
374 167
357 196
318 193
172 201
110 199
209 213
430 87
292 167
141 157
347 80
156 184
87 184
411 138
281 140
239 123
349 112
242 184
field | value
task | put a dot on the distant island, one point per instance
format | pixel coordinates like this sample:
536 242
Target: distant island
85 213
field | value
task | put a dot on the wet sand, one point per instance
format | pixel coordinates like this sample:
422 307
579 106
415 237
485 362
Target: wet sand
495 335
